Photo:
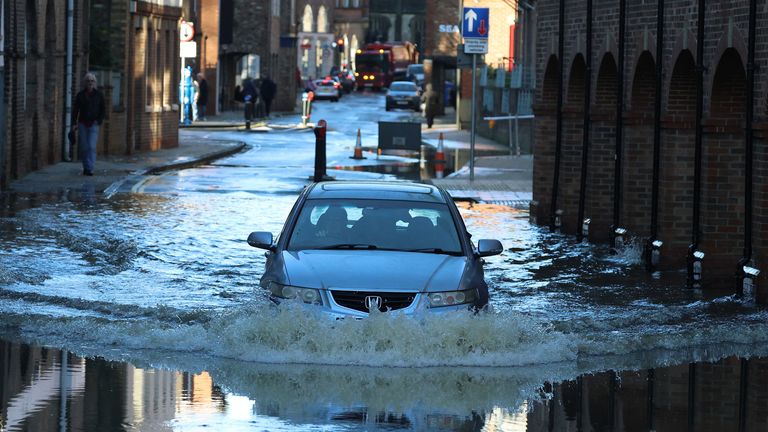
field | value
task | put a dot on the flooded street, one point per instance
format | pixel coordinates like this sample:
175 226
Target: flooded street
142 312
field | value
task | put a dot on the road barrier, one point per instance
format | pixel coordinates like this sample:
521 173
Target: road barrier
320 130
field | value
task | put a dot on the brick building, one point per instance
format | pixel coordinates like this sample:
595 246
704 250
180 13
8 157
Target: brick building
34 94
350 24
238 39
682 177
130 46
316 41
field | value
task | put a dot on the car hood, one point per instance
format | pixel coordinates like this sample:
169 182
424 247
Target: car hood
374 270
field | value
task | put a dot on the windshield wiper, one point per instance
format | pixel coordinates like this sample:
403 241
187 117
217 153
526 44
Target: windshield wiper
435 251
349 246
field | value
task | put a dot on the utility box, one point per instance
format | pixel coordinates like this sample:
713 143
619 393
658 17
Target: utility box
400 136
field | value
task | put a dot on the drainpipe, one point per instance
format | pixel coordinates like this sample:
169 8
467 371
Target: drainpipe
68 80
695 256
652 247
584 224
743 273
555 215
617 233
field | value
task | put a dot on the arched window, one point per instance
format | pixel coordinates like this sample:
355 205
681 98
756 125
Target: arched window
307 20
322 20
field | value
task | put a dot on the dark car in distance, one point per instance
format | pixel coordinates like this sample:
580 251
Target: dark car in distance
403 94
350 248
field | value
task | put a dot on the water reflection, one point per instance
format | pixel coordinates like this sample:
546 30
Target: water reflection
46 390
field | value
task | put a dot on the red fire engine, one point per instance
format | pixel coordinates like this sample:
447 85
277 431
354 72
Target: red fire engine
378 64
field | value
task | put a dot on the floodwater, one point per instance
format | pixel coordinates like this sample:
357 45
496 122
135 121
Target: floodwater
140 313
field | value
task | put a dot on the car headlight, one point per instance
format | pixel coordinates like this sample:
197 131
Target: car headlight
451 298
307 295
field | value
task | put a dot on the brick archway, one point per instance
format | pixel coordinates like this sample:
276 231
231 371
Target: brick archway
723 161
600 177
638 159
676 163
570 168
545 129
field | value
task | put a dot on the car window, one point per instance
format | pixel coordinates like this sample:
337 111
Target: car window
382 224
416 69
403 87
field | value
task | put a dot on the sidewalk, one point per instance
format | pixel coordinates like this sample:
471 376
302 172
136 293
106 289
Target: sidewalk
113 170
499 177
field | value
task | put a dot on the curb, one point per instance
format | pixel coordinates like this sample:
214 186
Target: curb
110 190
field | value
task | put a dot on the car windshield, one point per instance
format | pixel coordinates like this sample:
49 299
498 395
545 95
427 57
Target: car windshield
416 69
375 224
403 87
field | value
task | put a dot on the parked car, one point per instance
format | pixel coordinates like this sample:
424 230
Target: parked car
403 94
328 88
415 73
347 80
351 248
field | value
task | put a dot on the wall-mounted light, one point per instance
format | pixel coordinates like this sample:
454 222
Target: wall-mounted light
558 219
656 252
696 269
618 237
585 228
749 284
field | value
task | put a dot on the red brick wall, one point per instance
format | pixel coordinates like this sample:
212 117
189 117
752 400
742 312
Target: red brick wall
722 193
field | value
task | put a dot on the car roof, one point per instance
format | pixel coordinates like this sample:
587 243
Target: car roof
383 190
403 82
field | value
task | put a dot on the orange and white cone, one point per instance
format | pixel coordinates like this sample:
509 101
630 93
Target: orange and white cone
439 158
358 148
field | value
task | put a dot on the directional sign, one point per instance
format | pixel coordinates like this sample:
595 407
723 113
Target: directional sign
475 23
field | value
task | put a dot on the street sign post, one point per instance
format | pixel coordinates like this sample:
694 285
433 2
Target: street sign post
475 25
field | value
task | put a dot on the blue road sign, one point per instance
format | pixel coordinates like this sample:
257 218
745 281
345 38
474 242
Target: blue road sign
475 23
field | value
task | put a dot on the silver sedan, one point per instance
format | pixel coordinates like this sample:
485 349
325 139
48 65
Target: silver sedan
353 248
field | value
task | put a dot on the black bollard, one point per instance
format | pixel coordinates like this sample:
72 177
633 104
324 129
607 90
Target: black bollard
320 151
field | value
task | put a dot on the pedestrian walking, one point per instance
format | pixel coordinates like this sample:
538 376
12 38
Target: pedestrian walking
431 101
88 114
259 105
202 96
250 97
268 91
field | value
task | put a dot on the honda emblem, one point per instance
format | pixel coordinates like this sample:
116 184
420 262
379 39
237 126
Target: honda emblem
372 303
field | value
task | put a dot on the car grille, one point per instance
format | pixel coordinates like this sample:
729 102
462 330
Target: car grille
389 300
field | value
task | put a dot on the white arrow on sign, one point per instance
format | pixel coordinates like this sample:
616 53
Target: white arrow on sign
471 17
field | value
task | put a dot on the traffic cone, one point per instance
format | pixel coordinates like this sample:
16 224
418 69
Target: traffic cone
358 148
439 158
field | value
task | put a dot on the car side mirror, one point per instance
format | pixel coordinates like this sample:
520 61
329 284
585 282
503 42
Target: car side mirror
261 240
487 247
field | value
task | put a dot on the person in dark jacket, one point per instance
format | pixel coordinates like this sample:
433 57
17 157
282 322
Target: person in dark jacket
202 96
88 114
268 91
431 101
250 98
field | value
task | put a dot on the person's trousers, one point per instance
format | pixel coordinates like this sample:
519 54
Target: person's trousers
86 145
